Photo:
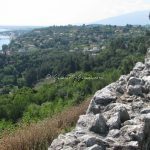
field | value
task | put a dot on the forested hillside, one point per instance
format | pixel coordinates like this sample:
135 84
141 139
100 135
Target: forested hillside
46 70
59 51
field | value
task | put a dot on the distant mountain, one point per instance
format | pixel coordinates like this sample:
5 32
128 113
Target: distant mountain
135 18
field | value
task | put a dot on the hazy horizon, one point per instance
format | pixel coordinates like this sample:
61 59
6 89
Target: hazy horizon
64 12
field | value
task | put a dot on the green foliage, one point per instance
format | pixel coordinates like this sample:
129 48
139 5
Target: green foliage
6 126
62 50
32 113
50 69
32 105
128 62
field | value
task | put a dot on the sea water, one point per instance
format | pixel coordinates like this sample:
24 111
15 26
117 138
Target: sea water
4 39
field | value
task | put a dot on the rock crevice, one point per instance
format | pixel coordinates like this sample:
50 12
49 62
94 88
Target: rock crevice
118 117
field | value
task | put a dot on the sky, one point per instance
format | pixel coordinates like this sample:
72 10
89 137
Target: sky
64 12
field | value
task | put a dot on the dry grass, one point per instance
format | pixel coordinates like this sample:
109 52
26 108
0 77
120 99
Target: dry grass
39 136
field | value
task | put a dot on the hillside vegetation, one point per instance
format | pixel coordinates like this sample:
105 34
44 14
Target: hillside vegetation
88 49
40 135
48 70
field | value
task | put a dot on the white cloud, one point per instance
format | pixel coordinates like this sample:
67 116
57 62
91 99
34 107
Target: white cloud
49 12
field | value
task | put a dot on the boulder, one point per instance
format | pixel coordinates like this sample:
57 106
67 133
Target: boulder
135 90
139 66
105 96
114 133
93 108
85 122
123 79
116 114
123 114
90 140
94 123
135 81
99 125
114 122
132 132
68 140
121 89
57 144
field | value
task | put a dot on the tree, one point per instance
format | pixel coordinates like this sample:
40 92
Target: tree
4 48
31 77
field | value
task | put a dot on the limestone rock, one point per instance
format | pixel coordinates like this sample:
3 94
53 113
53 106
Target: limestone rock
135 90
132 132
135 81
133 145
123 79
114 122
99 125
91 139
146 87
145 144
139 66
85 122
114 133
145 110
123 114
95 147
93 108
105 96
94 123
121 89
